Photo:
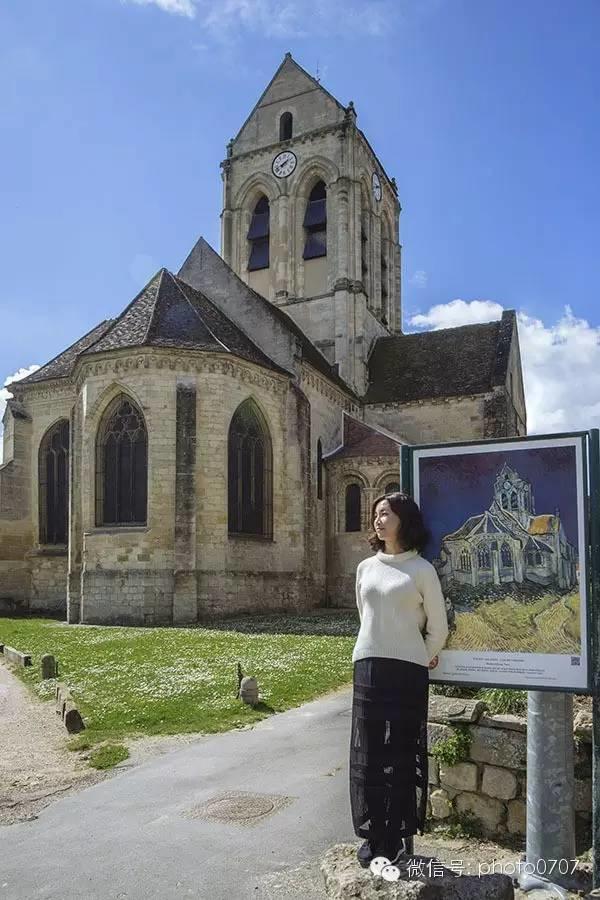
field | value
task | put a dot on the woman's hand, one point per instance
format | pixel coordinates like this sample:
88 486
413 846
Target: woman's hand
433 662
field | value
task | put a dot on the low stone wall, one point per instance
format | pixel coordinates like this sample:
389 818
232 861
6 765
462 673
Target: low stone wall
489 783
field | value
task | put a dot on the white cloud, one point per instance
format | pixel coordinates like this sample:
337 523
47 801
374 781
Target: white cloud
458 312
6 395
561 362
419 278
227 19
177 7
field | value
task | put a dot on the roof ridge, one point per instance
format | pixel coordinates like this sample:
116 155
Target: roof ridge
162 271
195 311
450 328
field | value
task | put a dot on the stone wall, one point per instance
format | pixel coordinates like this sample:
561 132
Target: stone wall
490 783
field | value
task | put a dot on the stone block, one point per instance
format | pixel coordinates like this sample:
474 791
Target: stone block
344 879
498 782
516 821
441 807
72 719
49 667
462 776
437 733
433 770
446 710
488 811
16 656
583 795
504 720
498 747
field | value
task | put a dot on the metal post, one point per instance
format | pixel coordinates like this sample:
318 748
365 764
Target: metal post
550 791
594 619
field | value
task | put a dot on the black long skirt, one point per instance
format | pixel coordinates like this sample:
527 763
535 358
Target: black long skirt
388 750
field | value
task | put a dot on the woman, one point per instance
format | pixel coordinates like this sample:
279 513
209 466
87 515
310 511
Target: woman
403 626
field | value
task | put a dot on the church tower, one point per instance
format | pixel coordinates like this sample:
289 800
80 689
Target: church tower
311 220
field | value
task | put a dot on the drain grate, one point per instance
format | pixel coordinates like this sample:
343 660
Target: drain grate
239 807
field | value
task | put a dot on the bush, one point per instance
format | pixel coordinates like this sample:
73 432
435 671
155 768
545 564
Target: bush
454 749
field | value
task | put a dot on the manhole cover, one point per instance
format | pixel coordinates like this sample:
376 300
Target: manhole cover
239 807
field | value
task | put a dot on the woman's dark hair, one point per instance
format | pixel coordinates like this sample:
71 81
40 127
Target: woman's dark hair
412 533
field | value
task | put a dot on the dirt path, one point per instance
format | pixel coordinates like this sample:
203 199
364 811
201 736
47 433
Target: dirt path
35 765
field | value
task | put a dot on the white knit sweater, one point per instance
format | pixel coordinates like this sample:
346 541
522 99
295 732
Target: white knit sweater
401 607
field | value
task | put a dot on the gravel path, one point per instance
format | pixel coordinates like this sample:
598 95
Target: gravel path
35 765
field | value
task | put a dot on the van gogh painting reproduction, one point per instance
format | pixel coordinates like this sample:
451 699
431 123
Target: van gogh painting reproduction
507 541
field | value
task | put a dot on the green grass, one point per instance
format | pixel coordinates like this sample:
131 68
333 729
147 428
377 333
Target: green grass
108 755
149 681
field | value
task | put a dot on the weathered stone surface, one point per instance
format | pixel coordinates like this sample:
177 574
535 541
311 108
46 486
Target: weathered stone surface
498 747
433 770
454 709
441 807
487 810
462 776
346 880
48 664
72 718
61 695
504 720
499 782
582 724
516 821
583 794
16 656
437 733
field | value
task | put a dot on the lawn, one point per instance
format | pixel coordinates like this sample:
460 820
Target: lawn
148 681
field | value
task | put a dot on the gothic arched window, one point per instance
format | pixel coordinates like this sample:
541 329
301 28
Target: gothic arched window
315 223
258 236
319 470
506 555
122 465
53 484
391 487
465 560
514 501
250 472
483 558
286 123
353 507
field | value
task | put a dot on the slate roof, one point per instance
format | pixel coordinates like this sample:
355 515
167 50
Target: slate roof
170 313
360 439
166 313
450 362
202 251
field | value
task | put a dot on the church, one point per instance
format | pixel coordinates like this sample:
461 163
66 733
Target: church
216 448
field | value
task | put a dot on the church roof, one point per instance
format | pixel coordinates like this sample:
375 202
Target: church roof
449 362
166 313
211 274
170 313
360 439
485 523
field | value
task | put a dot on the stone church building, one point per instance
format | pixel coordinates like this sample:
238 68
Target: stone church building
217 446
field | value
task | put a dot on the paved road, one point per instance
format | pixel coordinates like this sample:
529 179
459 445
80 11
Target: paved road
132 836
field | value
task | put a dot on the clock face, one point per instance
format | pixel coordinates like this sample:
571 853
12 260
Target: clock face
284 164
376 183
507 484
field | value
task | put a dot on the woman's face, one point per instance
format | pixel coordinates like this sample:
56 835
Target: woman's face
386 522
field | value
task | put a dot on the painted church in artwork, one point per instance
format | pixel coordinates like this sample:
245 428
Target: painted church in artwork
216 448
508 543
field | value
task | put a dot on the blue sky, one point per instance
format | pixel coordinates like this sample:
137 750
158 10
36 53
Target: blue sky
114 115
